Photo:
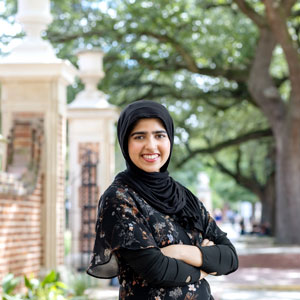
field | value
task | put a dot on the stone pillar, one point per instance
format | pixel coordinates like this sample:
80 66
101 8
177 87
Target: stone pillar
34 86
91 127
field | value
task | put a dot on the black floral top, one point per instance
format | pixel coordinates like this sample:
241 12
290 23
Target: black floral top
126 221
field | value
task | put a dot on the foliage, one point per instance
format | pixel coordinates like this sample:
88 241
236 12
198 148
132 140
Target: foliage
50 288
78 284
172 52
67 241
9 283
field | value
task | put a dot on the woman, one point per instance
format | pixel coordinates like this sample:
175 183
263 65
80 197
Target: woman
151 231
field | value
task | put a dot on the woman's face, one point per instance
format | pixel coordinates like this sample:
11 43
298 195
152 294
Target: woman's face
149 145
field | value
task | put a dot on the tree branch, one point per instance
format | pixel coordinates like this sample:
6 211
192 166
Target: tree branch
232 142
288 4
261 85
237 75
250 13
277 16
57 37
185 54
158 90
249 183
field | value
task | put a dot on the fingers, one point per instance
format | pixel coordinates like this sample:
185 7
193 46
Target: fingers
207 242
203 274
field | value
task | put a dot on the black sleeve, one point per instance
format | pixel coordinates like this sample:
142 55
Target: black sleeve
220 258
158 269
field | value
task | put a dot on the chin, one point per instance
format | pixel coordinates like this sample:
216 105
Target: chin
150 170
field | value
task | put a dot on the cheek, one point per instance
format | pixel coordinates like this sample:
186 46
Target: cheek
133 148
167 148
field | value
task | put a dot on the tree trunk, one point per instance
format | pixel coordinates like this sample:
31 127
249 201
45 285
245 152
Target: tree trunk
268 201
284 119
288 184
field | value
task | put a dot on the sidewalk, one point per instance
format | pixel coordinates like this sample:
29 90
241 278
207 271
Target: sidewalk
280 280
257 284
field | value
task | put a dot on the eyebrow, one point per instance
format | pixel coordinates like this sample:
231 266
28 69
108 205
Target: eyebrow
145 132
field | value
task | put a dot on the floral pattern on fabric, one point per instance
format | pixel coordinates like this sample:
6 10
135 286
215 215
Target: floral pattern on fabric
127 221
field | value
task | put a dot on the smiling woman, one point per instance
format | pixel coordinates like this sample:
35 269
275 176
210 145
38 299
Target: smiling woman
149 145
151 231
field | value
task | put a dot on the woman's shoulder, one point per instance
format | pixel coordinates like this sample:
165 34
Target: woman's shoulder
118 191
119 200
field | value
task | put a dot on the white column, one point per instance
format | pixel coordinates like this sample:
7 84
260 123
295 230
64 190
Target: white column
91 121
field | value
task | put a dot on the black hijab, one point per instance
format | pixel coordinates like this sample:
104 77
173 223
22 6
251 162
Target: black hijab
159 189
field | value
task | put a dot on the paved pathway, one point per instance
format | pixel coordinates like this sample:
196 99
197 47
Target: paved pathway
257 283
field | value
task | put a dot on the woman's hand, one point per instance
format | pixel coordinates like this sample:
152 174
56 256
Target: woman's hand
206 243
203 274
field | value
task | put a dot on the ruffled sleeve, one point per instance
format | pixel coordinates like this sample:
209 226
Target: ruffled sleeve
120 225
211 229
222 257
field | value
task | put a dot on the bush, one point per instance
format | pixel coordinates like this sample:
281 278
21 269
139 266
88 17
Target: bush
50 288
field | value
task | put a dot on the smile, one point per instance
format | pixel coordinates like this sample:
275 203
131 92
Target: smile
150 157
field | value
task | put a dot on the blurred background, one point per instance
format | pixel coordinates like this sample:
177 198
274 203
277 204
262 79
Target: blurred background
227 70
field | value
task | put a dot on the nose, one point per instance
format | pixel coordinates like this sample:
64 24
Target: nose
151 144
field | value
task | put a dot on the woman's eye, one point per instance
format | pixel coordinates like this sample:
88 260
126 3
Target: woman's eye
138 137
161 136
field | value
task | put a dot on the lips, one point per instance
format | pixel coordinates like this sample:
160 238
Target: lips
150 157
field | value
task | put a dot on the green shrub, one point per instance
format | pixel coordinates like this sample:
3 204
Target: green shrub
50 288
9 283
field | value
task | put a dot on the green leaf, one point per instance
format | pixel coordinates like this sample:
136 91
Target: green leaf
50 278
28 284
9 283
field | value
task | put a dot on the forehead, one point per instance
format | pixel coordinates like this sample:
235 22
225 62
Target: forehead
148 124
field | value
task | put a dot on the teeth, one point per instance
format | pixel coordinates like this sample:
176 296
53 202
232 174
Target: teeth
151 156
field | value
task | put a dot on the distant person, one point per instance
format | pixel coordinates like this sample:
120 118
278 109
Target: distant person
218 215
230 214
242 226
152 231
266 229
114 282
256 229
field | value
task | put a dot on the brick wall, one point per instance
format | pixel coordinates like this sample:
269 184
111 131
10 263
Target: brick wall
21 200
20 232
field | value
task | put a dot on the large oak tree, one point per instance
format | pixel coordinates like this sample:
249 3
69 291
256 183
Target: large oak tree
233 67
